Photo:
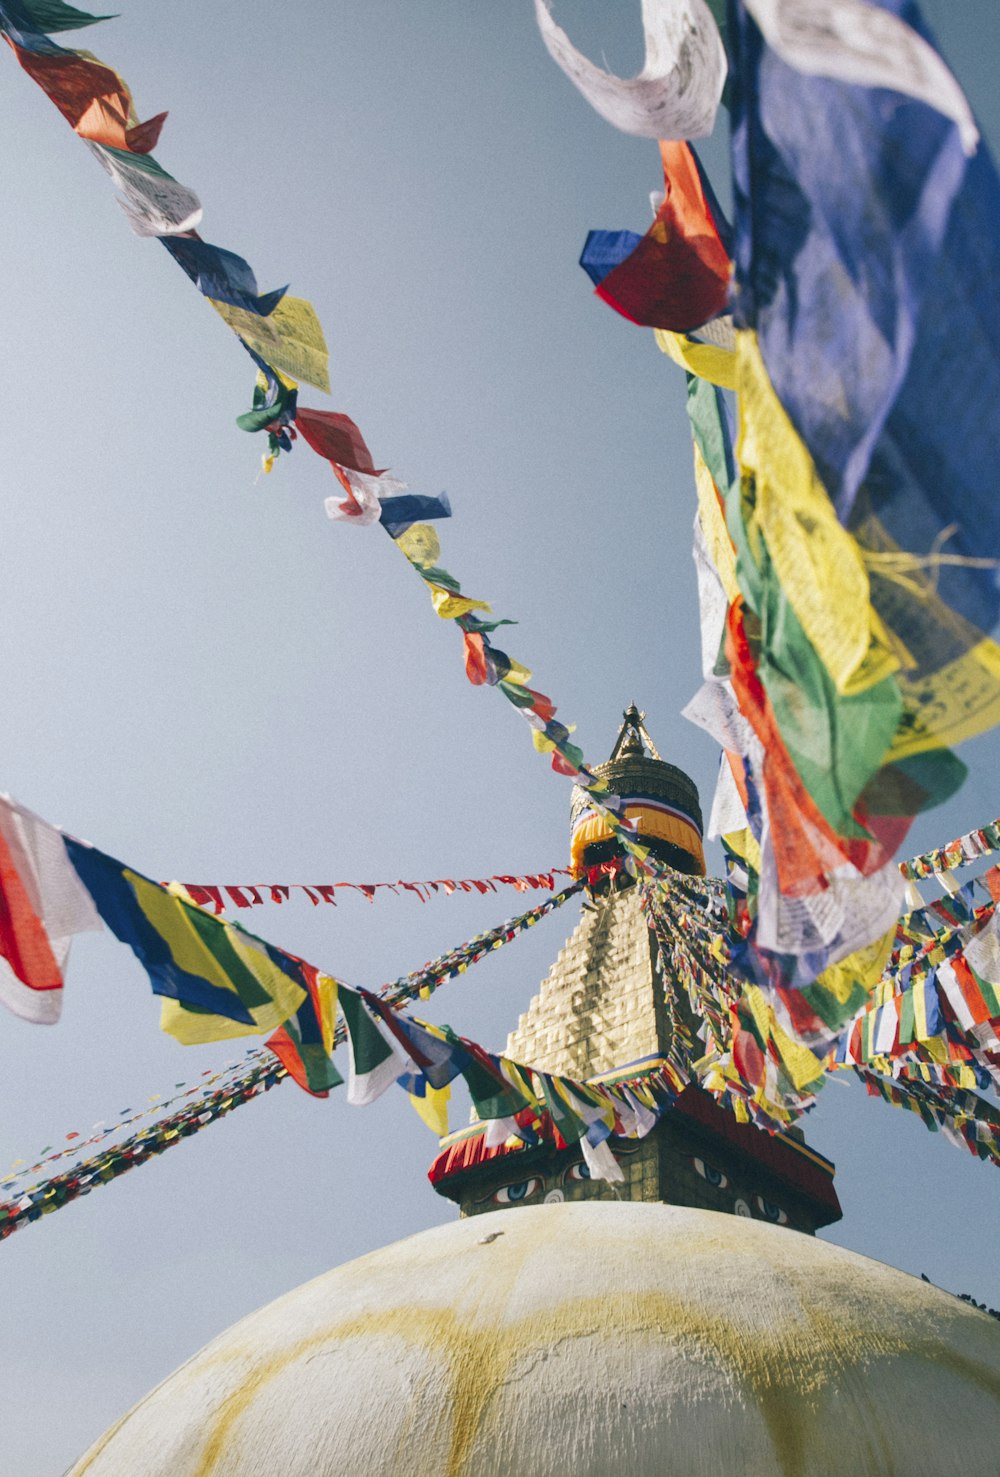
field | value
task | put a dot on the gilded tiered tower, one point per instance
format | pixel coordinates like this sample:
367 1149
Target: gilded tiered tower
609 1009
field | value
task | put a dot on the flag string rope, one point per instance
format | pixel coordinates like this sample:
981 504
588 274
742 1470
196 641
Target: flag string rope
253 894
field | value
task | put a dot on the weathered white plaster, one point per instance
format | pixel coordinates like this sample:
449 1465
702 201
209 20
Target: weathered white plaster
589 1339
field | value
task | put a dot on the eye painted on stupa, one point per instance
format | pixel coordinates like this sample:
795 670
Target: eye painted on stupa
514 1194
771 1212
709 1173
578 1172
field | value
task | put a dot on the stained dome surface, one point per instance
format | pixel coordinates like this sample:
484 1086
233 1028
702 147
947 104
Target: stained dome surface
588 1338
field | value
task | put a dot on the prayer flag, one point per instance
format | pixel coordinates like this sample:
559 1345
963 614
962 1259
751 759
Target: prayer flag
434 1049
398 513
336 438
678 90
493 1094
429 1103
155 203
42 904
218 981
91 97
376 1061
867 275
304 1044
221 275
677 275
48 16
290 340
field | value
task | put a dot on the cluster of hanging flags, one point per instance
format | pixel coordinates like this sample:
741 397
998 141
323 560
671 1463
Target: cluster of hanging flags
930 1028
840 342
931 1025
253 895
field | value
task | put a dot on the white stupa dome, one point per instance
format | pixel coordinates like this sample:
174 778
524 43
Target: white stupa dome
589 1339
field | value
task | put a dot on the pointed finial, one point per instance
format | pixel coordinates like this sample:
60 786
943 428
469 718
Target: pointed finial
629 743
633 740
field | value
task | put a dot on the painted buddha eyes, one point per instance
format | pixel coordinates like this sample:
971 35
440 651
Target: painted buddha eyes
771 1212
514 1194
720 1181
578 1172
710 1174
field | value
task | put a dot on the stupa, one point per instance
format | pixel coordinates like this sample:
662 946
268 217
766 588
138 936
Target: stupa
684 1323
608 1009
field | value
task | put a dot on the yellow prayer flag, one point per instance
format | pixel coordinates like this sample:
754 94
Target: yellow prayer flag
819 565
706 361
864 967
951 705
420 544
326 989
802 1066
450 606
432 1107
713 526
290 339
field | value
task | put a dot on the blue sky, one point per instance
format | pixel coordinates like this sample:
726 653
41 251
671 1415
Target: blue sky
208 679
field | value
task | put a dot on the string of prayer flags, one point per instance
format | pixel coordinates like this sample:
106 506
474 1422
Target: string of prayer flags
932 1014
958 853
979 1134
848 563
282 334
215 979
677 93
60 1189
759 1070
424 982
284 338
628 1108
246 895
76 1143
899 469
486 664
820 886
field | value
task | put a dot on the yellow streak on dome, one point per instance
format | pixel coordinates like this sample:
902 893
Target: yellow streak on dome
783 1366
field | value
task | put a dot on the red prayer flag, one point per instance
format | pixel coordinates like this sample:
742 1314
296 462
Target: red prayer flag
678 275
335 437
23 940
91 97
476 668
